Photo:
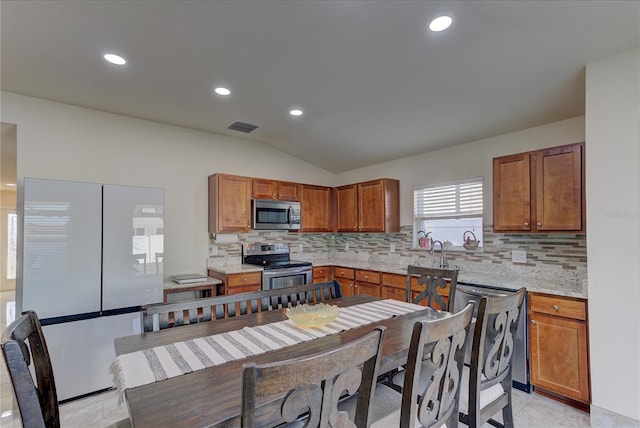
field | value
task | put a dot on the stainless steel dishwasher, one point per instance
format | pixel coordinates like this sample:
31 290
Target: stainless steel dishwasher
520 371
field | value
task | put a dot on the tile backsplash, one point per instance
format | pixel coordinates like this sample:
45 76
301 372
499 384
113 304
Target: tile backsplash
567 252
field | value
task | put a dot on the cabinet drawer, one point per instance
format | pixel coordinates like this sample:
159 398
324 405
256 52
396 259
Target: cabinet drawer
394 280
368 276
244 289
341 272
320 272
559 306
244 279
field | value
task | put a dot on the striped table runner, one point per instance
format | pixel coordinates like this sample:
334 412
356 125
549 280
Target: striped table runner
163 362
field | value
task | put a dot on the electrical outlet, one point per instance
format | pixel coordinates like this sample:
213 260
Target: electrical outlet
346 246
213 250
518 256
300 248
392 248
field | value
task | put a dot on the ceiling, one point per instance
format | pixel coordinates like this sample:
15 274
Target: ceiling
374 83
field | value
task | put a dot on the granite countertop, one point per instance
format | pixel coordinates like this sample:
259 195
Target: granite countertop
171 285
231 268
556 286
550 281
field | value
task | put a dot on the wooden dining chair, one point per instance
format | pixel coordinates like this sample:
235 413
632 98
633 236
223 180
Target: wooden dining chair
429 280
22 344
432 376
487 381
314 384
221 307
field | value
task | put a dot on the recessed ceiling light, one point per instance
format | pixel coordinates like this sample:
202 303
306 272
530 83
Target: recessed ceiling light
441 23
115 59
296 112
222 91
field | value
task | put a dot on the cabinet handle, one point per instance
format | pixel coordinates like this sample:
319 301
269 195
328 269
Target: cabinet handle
533 321
526 224
555 307
539 224
244 279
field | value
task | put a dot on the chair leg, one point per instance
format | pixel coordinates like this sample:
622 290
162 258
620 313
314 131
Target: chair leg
507 414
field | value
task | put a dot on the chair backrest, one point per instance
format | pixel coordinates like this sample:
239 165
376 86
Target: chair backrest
443 344
22 344
313 384
492 352
213 308
429 281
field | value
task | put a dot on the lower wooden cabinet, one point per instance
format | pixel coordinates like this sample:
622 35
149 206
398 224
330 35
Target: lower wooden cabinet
394 286
322 274
238 282
367 282
559 346
345 276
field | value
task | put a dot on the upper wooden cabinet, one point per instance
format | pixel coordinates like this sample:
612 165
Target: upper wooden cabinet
540 191
316 208
372 206
347 208
272 189
229 203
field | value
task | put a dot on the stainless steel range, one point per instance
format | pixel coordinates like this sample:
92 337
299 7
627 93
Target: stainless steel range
279 270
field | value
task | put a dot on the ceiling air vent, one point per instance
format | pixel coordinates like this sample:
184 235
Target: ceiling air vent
242 127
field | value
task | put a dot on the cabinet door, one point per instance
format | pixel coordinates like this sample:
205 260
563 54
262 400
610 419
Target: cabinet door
347 287
512 193
559 188
229 203
316 209
288 191
347 208
559 360
368 288
387 292
264 189
371 206
321 274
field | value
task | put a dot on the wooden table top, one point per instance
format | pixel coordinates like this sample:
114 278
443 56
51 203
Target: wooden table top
213 396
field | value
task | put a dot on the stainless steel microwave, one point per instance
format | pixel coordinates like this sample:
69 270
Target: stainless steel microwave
275 215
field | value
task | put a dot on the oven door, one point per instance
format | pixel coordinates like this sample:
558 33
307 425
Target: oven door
286 277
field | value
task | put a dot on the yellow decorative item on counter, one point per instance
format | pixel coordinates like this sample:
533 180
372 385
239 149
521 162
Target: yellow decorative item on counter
312 315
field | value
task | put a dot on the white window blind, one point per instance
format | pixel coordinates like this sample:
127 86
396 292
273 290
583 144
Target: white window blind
460 199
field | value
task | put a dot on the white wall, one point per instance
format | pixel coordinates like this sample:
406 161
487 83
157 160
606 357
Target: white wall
613 222
472 159
59 141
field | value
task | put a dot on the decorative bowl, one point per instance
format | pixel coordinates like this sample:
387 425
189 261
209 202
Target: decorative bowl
312 315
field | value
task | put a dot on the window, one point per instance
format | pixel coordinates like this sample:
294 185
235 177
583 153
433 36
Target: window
447 211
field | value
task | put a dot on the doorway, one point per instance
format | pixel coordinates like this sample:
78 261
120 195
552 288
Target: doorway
8 250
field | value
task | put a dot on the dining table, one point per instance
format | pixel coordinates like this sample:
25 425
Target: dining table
213 396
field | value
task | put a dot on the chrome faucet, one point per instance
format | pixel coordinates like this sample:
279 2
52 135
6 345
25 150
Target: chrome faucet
443 260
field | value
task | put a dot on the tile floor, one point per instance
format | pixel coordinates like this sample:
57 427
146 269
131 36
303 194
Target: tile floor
102 410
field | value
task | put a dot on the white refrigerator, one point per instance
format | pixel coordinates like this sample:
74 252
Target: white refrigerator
92 254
